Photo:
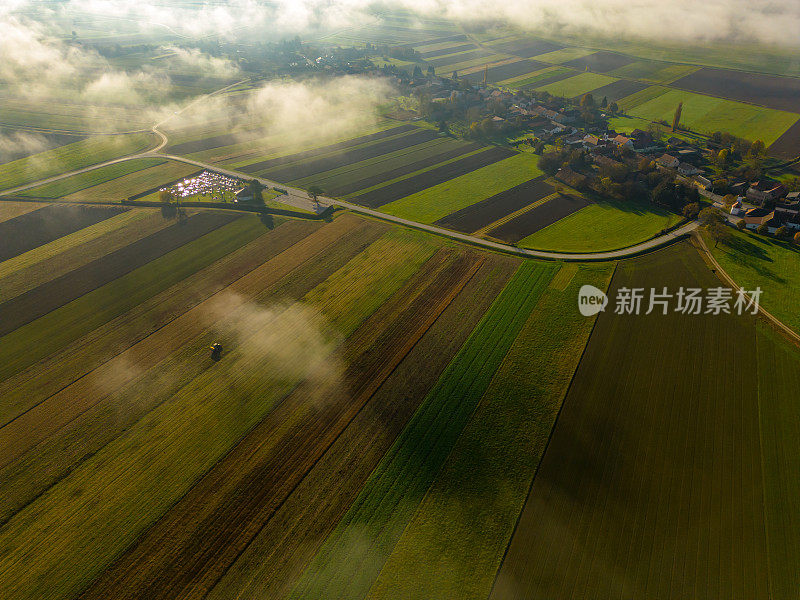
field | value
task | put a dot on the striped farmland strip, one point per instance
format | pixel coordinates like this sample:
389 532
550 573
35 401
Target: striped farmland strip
450 50
305 169
368 182
216 141
450 38
618 90
417 183
485 212
56 293
538 218
452 59
514 69
284 160
600 62
548 80
527 48
33 229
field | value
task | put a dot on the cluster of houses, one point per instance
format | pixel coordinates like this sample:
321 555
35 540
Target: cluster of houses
777 207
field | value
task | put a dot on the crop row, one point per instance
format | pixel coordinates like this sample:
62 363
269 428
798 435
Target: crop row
416 183
154 462
460 531
353 554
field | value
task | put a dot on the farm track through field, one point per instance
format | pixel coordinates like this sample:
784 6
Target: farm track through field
480 215
34 228
107 384
279 455
49 296
538 218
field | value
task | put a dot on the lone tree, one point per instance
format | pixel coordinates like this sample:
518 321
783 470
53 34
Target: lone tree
587 100
613 108
676 121
166 196
713 222
255 187
797 238
314 191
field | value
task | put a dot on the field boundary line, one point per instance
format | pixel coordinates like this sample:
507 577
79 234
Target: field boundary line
550 435
701 246
515 214
763 468
371 390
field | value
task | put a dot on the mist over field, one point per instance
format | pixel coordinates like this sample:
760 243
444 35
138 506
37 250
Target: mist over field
772 22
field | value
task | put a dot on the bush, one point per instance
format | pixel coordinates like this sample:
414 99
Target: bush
763 229
741 225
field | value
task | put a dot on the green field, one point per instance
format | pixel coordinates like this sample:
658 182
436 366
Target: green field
71 157
602 226
707 114
758 261
657 72
646 95
532 78
558 57
161 470
353 555
459 533
77 183
440 200
576 86
670 471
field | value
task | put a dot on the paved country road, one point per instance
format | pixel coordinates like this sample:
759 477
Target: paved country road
300 199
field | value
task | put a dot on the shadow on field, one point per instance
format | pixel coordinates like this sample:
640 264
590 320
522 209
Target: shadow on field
267 220
752 252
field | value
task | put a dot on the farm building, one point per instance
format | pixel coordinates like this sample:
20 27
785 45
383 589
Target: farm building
688 170
668 161
765 190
